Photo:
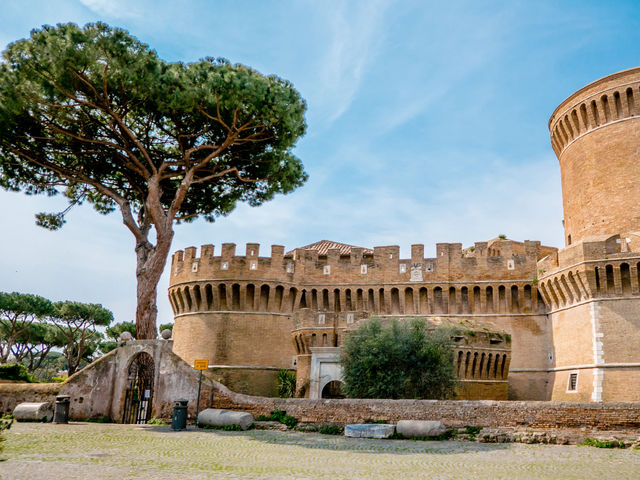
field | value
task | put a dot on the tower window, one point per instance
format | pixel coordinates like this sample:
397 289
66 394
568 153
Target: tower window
569 240
572 386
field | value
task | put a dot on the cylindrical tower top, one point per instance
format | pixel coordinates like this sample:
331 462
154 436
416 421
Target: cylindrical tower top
595 134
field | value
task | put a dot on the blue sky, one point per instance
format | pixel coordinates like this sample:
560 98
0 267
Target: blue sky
427 122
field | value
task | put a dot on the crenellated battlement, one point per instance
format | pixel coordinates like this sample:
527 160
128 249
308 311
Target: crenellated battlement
611 99
498 259
596 267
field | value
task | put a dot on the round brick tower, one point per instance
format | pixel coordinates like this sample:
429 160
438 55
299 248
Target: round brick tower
595 134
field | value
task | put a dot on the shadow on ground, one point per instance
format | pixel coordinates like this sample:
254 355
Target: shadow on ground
342 443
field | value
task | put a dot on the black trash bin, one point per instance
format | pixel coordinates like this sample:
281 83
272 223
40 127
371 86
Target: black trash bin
61 412
179 419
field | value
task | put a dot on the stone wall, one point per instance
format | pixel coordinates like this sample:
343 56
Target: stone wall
485 413
99 389
176 380
11 394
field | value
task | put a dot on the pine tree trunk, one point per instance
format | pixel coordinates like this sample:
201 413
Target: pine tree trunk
151 261
146 310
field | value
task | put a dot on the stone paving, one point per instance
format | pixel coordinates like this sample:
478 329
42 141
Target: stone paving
123 452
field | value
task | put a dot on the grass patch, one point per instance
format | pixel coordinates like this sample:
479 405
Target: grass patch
592 442
226 428
330 430
102 419
156 421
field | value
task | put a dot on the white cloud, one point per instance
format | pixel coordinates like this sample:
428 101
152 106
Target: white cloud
354 32
114 8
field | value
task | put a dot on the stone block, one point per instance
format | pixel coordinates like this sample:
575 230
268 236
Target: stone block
420 428
376 430
33 412
215 417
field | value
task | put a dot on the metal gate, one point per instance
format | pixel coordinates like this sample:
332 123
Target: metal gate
139 394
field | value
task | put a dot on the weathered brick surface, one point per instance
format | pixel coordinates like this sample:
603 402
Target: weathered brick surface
243 311
486 413
595 133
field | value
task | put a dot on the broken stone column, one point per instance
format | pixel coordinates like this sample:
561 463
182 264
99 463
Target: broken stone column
33 412
215 417
420 428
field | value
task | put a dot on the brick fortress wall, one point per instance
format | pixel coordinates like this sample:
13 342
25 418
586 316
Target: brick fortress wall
237 310
595 133
591 287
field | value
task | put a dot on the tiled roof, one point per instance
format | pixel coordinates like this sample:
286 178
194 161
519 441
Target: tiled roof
323 247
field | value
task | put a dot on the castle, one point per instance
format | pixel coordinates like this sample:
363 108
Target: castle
554 324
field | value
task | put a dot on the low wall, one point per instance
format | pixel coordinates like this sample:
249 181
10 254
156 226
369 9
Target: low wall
484 413
11 394
98 390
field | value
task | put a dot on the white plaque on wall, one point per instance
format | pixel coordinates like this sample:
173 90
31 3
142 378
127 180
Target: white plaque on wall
416 272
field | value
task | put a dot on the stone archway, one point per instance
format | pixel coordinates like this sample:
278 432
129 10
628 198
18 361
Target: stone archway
333 389
139 389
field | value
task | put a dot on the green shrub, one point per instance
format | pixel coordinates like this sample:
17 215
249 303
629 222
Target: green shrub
16 371
286 383
330 430
592 442
279 416
469 430
369 421
401 360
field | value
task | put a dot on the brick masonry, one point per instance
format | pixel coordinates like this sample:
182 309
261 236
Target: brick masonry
573 314
485 413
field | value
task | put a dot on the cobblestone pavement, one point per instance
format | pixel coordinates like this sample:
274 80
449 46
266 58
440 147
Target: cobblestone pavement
96 452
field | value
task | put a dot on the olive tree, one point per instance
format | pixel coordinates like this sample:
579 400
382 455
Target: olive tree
400 360
96 115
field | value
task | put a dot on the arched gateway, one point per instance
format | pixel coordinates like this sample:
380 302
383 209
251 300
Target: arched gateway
139 389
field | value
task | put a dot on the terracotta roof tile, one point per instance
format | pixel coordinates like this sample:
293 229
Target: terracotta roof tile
323 247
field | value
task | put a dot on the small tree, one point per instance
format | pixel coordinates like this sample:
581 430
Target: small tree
52 363
286 383
113 335
95 114
18 312
402 360
166 326
76 323
34 344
